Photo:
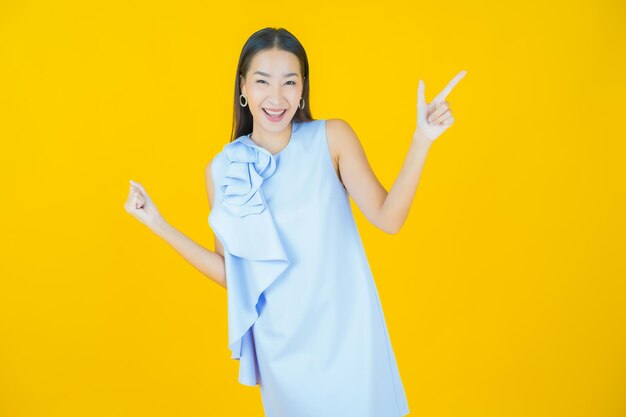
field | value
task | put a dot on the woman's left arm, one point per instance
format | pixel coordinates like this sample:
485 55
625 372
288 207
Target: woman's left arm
388 210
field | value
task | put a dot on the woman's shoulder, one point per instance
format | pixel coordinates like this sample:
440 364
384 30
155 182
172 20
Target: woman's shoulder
339 135
217 164
336 125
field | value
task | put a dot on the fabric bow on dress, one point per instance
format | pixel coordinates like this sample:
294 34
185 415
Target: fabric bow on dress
248 167
253 252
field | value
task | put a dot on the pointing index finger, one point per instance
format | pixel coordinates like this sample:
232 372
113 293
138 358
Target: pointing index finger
444 93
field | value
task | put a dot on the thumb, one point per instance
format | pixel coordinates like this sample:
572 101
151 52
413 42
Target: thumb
421 103
139 186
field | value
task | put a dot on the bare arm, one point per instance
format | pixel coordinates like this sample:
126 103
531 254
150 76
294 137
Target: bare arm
208 262
398 203
386 210
389 210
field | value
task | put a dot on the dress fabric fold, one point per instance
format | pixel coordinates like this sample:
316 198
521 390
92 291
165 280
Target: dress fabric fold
243 223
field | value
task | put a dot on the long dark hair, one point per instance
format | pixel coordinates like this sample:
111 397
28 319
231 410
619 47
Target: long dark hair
268 38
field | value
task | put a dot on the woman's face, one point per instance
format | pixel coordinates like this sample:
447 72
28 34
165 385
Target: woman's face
273 83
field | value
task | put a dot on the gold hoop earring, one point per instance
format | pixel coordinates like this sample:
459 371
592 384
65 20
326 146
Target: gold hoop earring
302 106
243 104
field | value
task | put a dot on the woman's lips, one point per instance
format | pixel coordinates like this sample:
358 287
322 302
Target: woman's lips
274 118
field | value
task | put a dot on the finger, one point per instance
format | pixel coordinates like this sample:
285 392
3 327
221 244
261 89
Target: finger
442 117
421 102
137 200
439 111
136 184
444 93
140 191
431 107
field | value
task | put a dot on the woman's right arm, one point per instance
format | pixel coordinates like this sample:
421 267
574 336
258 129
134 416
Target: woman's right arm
208 262
140 205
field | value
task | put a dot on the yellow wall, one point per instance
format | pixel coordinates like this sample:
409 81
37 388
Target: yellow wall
504 292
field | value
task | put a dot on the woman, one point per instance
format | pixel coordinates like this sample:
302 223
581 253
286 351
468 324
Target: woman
304 317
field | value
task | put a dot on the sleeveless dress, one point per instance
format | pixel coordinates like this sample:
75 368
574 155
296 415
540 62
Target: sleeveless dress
305 320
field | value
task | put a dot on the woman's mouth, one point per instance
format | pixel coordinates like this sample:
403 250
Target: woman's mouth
274 116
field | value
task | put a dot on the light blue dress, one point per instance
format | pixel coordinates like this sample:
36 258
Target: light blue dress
304 316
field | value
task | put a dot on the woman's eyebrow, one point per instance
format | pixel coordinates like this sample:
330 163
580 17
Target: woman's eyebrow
290 74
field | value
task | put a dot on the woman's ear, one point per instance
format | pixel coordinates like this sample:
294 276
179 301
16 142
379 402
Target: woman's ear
242 82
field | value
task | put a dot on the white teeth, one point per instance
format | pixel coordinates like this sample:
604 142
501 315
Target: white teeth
271 113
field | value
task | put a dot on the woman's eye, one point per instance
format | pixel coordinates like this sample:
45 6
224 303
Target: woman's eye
262 81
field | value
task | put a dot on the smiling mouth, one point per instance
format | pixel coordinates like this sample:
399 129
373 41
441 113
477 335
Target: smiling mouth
274 114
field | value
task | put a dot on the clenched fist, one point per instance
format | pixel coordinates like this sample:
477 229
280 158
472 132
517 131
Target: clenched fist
140 205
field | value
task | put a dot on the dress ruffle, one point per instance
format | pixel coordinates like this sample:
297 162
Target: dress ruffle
254 253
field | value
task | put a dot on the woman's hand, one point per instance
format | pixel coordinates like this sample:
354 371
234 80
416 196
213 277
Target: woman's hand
140 205
435 117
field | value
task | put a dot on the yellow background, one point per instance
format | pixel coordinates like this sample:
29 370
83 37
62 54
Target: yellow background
504 292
